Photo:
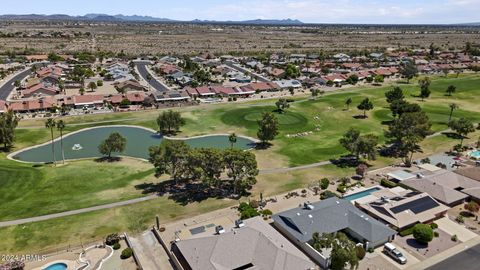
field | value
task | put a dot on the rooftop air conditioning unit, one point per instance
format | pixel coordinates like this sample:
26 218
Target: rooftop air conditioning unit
308 206
219 229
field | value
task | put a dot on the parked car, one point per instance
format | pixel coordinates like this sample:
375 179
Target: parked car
394 253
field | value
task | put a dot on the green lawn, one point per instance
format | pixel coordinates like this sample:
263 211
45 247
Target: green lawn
31 191
27 190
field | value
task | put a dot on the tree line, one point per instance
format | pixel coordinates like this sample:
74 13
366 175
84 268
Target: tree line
184 164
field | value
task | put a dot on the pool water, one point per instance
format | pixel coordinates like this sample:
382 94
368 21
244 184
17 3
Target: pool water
57 266
475 154
361 194
84 144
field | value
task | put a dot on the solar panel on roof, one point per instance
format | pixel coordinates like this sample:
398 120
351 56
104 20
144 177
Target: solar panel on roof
416 206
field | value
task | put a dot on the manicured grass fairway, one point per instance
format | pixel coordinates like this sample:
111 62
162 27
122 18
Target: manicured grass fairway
28 191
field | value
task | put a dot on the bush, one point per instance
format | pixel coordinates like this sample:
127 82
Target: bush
454 238
327 194
436 234
247 211
406 232
387 183
112 239
371 250
460 219
266 213
423 233
342 189
126 253
116 246
360 252
324 183
433 225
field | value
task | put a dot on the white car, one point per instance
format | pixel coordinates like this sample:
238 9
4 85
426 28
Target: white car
394 253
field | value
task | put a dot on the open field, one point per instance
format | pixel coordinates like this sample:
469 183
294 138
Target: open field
87 183
183 38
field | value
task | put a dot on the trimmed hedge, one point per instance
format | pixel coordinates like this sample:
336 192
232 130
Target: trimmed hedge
387 183
406 232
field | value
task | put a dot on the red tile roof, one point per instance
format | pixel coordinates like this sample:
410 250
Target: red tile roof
32 105
88 99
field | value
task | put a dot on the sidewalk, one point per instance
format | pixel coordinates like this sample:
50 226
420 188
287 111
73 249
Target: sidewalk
446 254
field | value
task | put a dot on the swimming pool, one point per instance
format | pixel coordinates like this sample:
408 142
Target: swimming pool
56 266
475 154
84 144
361 194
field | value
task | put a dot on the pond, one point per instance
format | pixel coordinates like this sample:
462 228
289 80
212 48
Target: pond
84 144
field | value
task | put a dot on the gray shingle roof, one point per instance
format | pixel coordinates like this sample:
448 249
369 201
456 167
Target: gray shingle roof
328 216
257 243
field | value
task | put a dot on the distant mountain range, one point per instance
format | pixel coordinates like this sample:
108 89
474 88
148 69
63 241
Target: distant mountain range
137 18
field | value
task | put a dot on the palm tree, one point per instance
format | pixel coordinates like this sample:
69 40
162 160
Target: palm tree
51 124
233 139
61 126
453 107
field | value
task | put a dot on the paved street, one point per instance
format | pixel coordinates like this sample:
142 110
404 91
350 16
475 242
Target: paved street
142 69
8 86
466 260
245 71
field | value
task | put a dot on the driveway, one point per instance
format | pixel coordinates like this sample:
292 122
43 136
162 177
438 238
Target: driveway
411 260
453 228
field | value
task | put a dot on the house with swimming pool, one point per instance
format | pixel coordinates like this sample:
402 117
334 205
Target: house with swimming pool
402 208
330 216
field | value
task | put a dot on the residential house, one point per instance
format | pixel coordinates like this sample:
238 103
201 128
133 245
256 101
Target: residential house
88 101
447 187
330 216
129 85
402 208
31 106
40 90
170 96
285 84
256 245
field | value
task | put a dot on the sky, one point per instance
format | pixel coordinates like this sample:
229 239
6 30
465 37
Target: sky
310 11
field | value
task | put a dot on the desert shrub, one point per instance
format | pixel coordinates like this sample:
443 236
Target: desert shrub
460 219
423 233
254 203
324 183
360 252
126 253
112 239
371 250
327 194
116 246
341 188
454 238
436 234
266 212
434 225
